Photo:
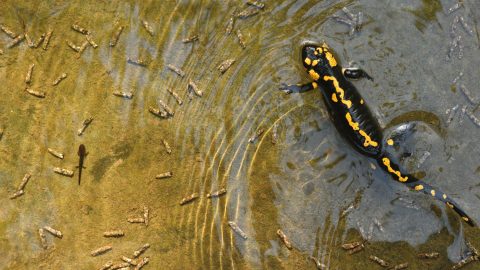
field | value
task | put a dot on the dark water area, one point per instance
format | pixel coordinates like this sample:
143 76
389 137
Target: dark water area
298 175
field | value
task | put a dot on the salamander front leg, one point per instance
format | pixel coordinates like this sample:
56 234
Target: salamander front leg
298 88
355 73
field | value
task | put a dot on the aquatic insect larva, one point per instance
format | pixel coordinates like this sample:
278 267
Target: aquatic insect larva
274 133
63 172
59 79
80 29
91 41
8 31
114 233
148 27
247 13
142 263
320 266
73 46
158 112
17 194
190 39
225 65
430 255
141 250
116 36
122 266
39 41
284 239
82 48
35 93
176 96
138 62
136 220
128 95
43 238
356 249
146 215
167 146
237 230
164 175
256 135
54 232
229 28
107 265
46 41
177 70
256 4
400 266
128 260
28 78
16 41
101 250
24 182
189 198
166 107
379 261
241 39
194 87
217 193
85 124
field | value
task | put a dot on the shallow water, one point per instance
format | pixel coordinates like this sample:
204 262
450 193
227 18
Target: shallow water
310 183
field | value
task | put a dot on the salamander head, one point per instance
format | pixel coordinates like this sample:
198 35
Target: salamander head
318 60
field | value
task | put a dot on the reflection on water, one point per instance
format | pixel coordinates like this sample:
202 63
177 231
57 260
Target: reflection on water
309 183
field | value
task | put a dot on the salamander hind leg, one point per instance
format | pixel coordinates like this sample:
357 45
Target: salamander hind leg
439 195
397 138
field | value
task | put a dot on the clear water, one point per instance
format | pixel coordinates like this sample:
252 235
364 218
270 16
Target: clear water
303 184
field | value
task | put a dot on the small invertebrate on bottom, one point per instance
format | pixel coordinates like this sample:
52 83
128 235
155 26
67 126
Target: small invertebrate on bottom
237 230
63 172
101 250
54 232
284 238
114 233
189 198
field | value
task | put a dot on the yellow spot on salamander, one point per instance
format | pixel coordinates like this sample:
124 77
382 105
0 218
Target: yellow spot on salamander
361 101
465 218
444 196
432 192
334 97
353 124
390 142
450 205
418 187
315 85
308 61
314 75
386 162
331 59
368 140
314 63
338 89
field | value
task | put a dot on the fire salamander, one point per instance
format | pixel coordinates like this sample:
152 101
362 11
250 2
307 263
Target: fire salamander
354 120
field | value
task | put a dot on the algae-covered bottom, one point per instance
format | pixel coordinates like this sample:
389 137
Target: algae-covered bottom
177 105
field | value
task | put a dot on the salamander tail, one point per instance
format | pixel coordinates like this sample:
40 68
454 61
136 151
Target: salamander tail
439 195
389 165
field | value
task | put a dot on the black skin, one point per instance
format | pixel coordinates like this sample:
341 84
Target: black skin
331 78
82 153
